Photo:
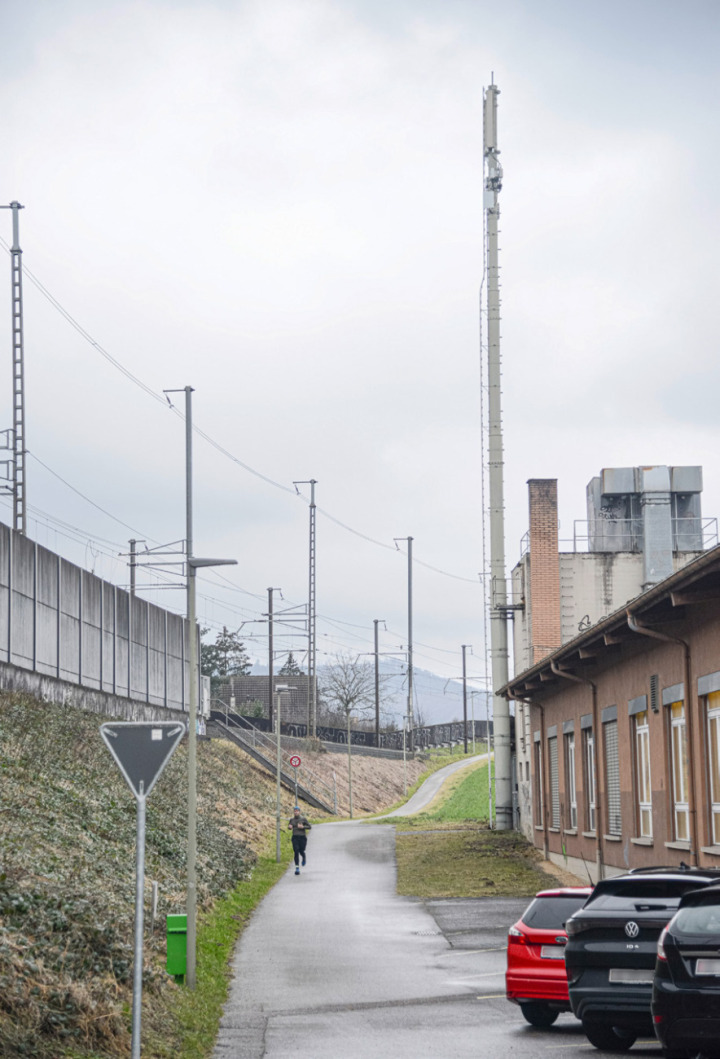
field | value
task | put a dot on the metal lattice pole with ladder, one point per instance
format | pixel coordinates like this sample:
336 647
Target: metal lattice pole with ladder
312 611
13 438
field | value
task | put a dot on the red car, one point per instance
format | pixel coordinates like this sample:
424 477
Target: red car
535 977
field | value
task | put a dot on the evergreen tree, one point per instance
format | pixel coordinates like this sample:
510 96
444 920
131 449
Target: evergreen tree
227 657
291 668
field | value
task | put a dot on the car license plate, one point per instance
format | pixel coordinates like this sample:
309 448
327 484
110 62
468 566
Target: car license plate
707 967
552 952
631 974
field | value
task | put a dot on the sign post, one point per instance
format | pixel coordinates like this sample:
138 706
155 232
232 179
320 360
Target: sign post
141 750
295 762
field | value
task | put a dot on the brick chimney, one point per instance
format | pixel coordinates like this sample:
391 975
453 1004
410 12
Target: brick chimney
545 628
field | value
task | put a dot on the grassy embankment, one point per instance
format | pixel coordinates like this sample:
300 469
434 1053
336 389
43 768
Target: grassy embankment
67 883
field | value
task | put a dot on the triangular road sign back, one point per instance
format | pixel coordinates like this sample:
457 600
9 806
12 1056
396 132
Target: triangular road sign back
142 749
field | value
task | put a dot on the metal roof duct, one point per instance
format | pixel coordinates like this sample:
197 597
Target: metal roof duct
654 510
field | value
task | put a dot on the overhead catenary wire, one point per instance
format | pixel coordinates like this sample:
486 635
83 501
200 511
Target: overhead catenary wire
213 442
163 581
79 536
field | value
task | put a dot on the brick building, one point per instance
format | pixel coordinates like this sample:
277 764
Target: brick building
250 695
623 732
643 523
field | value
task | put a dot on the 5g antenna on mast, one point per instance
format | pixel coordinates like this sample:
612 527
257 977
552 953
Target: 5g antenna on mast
493 175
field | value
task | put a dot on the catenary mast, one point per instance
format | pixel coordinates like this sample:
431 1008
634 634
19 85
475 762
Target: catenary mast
14 438
498 594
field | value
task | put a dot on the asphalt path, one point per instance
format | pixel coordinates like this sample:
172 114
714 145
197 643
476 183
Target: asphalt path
334 965
425 794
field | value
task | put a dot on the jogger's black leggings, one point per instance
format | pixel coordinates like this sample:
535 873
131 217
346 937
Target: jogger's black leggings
299 842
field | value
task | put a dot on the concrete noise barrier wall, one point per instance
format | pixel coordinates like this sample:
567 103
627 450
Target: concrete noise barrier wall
59 620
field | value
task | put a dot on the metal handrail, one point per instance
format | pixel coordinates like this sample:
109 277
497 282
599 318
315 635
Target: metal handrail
269 746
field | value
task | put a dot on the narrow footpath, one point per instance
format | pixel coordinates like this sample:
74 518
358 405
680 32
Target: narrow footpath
425 794
334 965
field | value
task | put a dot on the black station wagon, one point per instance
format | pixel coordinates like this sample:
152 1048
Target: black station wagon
686 989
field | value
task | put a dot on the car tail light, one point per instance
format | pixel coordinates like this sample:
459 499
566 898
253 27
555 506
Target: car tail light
516 937
657 1019
661 954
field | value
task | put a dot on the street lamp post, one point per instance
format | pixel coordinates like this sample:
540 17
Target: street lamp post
192 563
410 720
376 622
279 691
349 763
464 689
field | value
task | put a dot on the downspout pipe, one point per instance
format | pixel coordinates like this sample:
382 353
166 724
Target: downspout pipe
539 706
597 741
644 630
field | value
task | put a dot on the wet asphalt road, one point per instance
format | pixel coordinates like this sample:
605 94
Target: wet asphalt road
334 965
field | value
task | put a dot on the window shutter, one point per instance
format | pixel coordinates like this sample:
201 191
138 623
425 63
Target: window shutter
554 783
612 775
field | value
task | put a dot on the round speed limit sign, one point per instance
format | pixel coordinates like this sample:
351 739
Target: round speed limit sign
295 761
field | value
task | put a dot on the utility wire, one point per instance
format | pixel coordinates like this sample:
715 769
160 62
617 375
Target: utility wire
84 497
163 400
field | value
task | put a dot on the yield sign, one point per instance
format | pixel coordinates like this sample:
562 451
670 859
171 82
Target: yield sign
142 749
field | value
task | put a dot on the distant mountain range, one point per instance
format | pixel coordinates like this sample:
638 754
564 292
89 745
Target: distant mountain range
437 699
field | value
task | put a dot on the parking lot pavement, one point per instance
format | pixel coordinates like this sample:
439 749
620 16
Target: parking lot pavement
469 922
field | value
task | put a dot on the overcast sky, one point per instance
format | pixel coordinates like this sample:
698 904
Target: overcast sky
279 203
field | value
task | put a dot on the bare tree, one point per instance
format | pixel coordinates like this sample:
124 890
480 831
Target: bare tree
347 686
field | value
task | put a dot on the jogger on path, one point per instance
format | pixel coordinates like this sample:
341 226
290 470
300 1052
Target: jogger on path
299 826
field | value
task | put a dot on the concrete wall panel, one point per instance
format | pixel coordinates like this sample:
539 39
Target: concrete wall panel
4 596
66 623
47 577
121 666
23 565
47 639
70 589
22 630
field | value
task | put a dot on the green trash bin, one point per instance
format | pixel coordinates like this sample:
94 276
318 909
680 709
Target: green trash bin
177 946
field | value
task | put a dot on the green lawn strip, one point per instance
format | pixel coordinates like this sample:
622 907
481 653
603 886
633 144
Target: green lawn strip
197 1014
451 852
467 798
467 864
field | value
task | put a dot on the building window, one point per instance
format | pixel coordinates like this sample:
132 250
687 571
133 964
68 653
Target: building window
554 782
642 774
612 778
713 724
570 774
679 760
538 800
589 777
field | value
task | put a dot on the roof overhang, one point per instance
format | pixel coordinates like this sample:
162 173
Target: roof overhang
662 605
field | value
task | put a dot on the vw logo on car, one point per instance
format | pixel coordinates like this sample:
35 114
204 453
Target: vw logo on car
632 929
